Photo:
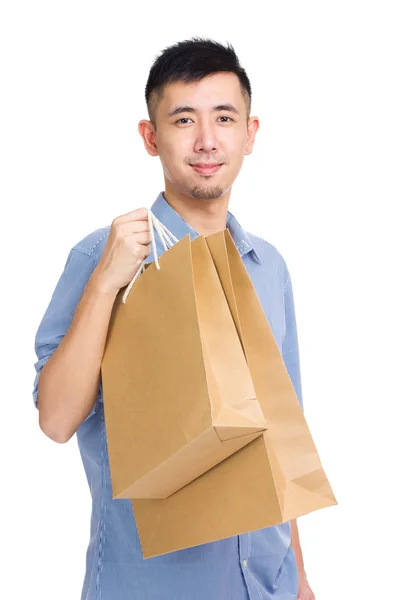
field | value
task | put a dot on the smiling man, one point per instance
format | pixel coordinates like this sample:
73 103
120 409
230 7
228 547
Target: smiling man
199 102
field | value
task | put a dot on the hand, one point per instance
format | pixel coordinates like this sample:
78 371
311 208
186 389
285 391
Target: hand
126 248
304 592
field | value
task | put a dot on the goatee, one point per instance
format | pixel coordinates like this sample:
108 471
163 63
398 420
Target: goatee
210 193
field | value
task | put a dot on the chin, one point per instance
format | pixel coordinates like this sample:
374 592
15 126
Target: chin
207 192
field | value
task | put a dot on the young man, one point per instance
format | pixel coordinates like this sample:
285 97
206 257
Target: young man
199 101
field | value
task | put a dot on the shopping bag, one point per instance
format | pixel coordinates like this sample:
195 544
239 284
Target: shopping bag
300 481
178 395
275 478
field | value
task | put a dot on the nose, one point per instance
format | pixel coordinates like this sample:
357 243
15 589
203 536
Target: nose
206 139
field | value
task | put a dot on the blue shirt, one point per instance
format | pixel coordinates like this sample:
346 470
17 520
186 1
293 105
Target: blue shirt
253 566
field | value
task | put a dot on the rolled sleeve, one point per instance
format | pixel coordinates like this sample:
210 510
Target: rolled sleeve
60 311
290 345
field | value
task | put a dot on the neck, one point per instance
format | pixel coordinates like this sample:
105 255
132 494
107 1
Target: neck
204 216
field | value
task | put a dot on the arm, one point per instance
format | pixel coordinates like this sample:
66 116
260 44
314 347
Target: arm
69 381
304 590
295 543
290 353
290 345
71 338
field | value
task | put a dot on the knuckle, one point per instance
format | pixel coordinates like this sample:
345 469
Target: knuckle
139 213
138 251
125 242
116 226
121 230
116 221
147 237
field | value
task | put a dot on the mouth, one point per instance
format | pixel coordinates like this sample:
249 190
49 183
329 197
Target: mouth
204 169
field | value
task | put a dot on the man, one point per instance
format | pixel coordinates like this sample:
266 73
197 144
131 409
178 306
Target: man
199 99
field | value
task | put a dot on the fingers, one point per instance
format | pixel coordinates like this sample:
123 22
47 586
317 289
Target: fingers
141 252
134 227
139 214
143 238
131 228
146 252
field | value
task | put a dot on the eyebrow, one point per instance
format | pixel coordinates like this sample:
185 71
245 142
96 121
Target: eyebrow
220 107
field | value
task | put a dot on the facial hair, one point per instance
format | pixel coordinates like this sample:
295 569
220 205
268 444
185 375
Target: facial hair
207 193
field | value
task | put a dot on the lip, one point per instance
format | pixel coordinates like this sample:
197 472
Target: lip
206 169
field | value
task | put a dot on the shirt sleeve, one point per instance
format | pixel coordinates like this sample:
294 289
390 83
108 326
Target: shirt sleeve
60 311
290 345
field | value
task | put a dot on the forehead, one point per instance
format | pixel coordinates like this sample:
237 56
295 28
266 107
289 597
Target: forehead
218 88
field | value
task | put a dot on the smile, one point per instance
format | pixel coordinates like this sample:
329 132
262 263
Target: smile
206 170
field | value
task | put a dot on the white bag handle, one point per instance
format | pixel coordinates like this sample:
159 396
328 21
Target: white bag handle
167 239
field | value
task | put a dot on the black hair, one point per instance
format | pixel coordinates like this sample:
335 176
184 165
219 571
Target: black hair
189 61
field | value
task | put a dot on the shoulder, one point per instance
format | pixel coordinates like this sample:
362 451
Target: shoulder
93 243
271 256
265 249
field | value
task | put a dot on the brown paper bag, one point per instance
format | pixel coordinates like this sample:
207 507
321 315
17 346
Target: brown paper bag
275 478
300 481
178 396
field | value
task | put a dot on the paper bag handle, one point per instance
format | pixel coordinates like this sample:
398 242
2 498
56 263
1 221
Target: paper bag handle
167 239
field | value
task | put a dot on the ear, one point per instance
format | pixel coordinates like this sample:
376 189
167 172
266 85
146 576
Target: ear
252 128
148 133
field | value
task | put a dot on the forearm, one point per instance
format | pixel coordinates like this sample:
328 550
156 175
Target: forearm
295 543
69 382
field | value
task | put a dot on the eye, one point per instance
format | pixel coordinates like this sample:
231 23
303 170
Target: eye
225 117
183 119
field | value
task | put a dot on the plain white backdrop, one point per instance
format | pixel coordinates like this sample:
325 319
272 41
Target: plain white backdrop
322 185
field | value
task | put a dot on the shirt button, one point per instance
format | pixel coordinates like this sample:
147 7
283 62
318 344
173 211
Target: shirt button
244 563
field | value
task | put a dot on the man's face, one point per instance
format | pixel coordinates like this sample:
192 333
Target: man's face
202 135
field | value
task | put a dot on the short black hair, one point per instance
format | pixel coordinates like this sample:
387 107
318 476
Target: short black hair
189 61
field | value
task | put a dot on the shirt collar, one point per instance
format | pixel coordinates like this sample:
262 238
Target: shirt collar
178 226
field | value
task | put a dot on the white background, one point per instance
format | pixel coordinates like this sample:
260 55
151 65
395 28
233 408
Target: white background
322 185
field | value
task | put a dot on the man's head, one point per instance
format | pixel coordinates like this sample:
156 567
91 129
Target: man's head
199 100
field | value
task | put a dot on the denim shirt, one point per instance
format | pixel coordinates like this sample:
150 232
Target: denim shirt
254 566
